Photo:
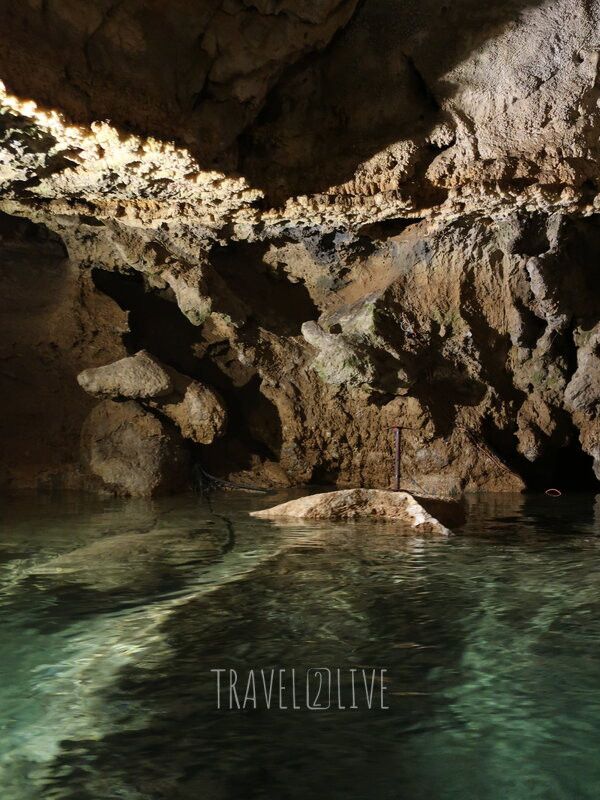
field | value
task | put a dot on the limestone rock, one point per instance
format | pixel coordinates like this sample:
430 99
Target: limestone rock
134 377
132 452
192 297
582 395
356 503
430 210
338 362
198 412
583 391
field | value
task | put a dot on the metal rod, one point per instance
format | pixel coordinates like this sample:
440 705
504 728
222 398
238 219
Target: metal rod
397 465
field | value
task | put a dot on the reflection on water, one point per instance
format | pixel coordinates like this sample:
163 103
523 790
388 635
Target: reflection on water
113 613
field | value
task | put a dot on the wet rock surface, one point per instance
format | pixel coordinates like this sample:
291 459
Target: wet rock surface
355 503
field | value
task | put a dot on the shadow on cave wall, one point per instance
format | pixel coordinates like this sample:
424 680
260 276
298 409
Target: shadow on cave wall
569 269
562 466
276 302
565 251
41 406
324 112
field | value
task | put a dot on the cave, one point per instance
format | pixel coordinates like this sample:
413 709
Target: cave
330 256
299 399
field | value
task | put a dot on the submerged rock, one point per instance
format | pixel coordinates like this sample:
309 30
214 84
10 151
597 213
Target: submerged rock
355 503
139 560
134 377
133 452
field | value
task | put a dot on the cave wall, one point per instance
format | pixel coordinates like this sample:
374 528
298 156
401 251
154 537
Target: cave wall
53 323
340 216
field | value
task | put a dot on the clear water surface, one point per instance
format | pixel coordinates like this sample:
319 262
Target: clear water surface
113 613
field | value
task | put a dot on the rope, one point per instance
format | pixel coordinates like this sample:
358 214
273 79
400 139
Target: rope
484 449
425 494
493 457
212 479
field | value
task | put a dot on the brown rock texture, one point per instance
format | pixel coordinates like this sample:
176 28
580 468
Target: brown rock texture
132 452
53 323
329 217
197 411
135 377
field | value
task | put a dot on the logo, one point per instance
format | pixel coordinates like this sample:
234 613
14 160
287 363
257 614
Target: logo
314 689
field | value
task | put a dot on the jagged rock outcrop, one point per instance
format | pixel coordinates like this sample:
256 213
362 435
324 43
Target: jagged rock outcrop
132 452
197 410
338 216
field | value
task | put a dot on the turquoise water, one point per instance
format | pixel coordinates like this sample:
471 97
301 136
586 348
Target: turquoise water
113 614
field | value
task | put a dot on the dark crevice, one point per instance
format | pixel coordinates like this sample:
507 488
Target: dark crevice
324 474
563 465
422 84
566 468
155 324
276 302
158 326
16 232
532 239
254 430
387 228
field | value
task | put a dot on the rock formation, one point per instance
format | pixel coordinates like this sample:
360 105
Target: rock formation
352 504
196 409
132 452
330 217
138 376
